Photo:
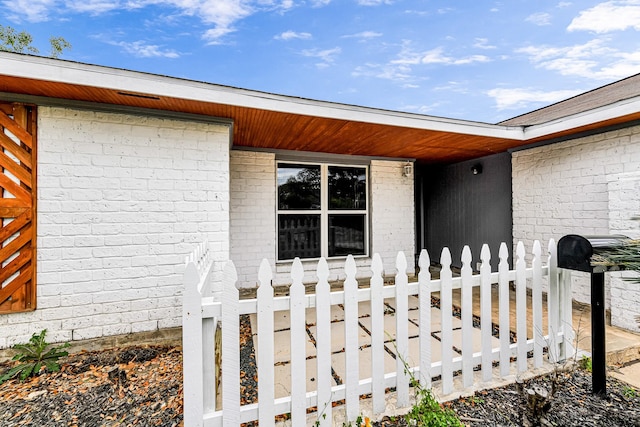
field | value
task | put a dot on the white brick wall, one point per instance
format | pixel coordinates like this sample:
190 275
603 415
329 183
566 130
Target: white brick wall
253 219
624 205
253 212
121 200
393 214
562 189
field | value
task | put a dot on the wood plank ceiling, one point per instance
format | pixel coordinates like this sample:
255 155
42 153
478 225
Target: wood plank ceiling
265 129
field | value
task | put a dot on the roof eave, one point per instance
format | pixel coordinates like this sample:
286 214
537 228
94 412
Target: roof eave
68 72
624 108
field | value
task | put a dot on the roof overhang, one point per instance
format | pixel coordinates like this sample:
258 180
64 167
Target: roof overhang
275 122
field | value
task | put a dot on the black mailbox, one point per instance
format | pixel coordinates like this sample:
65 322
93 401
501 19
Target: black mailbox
581 253
576 252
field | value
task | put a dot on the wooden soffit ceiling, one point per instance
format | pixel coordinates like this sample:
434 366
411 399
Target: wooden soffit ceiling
264 129
259 128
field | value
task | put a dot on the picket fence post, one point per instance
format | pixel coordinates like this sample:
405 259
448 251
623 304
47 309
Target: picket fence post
402 331
424 299
230 347
503 310
265 346
193 384
466 308
377 335
297 345
553 301
566 319
521 308
486 325
351 352
323 346
536 296
446 302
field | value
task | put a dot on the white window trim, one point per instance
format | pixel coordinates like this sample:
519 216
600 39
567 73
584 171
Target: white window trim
324 211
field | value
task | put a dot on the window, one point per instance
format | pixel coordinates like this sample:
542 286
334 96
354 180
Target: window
322 210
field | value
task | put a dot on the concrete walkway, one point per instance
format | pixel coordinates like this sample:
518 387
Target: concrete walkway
623 347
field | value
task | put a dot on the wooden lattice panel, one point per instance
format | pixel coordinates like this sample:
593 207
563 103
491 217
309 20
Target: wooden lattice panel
17 207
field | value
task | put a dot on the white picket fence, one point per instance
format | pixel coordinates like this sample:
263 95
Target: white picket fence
203 308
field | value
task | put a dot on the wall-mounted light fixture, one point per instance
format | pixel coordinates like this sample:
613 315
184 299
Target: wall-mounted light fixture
406 169
476 169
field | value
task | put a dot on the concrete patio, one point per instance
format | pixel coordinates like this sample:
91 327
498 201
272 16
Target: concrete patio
623 347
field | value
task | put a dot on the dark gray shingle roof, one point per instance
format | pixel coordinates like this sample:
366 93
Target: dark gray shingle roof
605 95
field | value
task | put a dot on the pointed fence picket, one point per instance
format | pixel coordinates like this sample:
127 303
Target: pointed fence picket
202 311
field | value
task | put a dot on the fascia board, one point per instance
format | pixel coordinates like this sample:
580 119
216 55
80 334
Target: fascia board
607 112
54 70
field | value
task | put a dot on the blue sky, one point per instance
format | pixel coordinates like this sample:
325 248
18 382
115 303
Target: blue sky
476 60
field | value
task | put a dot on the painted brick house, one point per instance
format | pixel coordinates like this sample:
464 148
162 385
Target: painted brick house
112 176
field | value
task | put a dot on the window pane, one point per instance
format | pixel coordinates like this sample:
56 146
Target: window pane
298 187
347 188
346 235
298 236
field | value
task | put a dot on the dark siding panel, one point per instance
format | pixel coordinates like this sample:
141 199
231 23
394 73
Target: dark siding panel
457 208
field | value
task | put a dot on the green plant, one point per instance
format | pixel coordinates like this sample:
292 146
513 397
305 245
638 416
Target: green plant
585 363
630 392
427 411
475 400
22 42
360 422
626 256
33 356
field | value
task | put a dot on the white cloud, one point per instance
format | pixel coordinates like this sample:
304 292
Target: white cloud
326 56
592 60
404 69
509 99
540 19
453 86
482 43
30 10
423 109
143 50
286 5
373 2
96 7
608 16
436 56
363 35
290 35
399 73
564 4
222 14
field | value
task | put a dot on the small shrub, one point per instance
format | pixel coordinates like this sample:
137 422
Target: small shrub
630 392
428 412
33 356
585 363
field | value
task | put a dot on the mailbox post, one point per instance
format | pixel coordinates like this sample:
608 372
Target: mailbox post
574 253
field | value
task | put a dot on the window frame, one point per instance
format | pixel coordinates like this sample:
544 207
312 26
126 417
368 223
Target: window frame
324 212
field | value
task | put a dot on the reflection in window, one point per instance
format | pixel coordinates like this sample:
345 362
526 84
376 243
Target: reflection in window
346 235
298 236
298 187
347 188
322 210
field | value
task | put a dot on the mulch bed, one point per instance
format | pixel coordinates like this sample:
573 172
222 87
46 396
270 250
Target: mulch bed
142 386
